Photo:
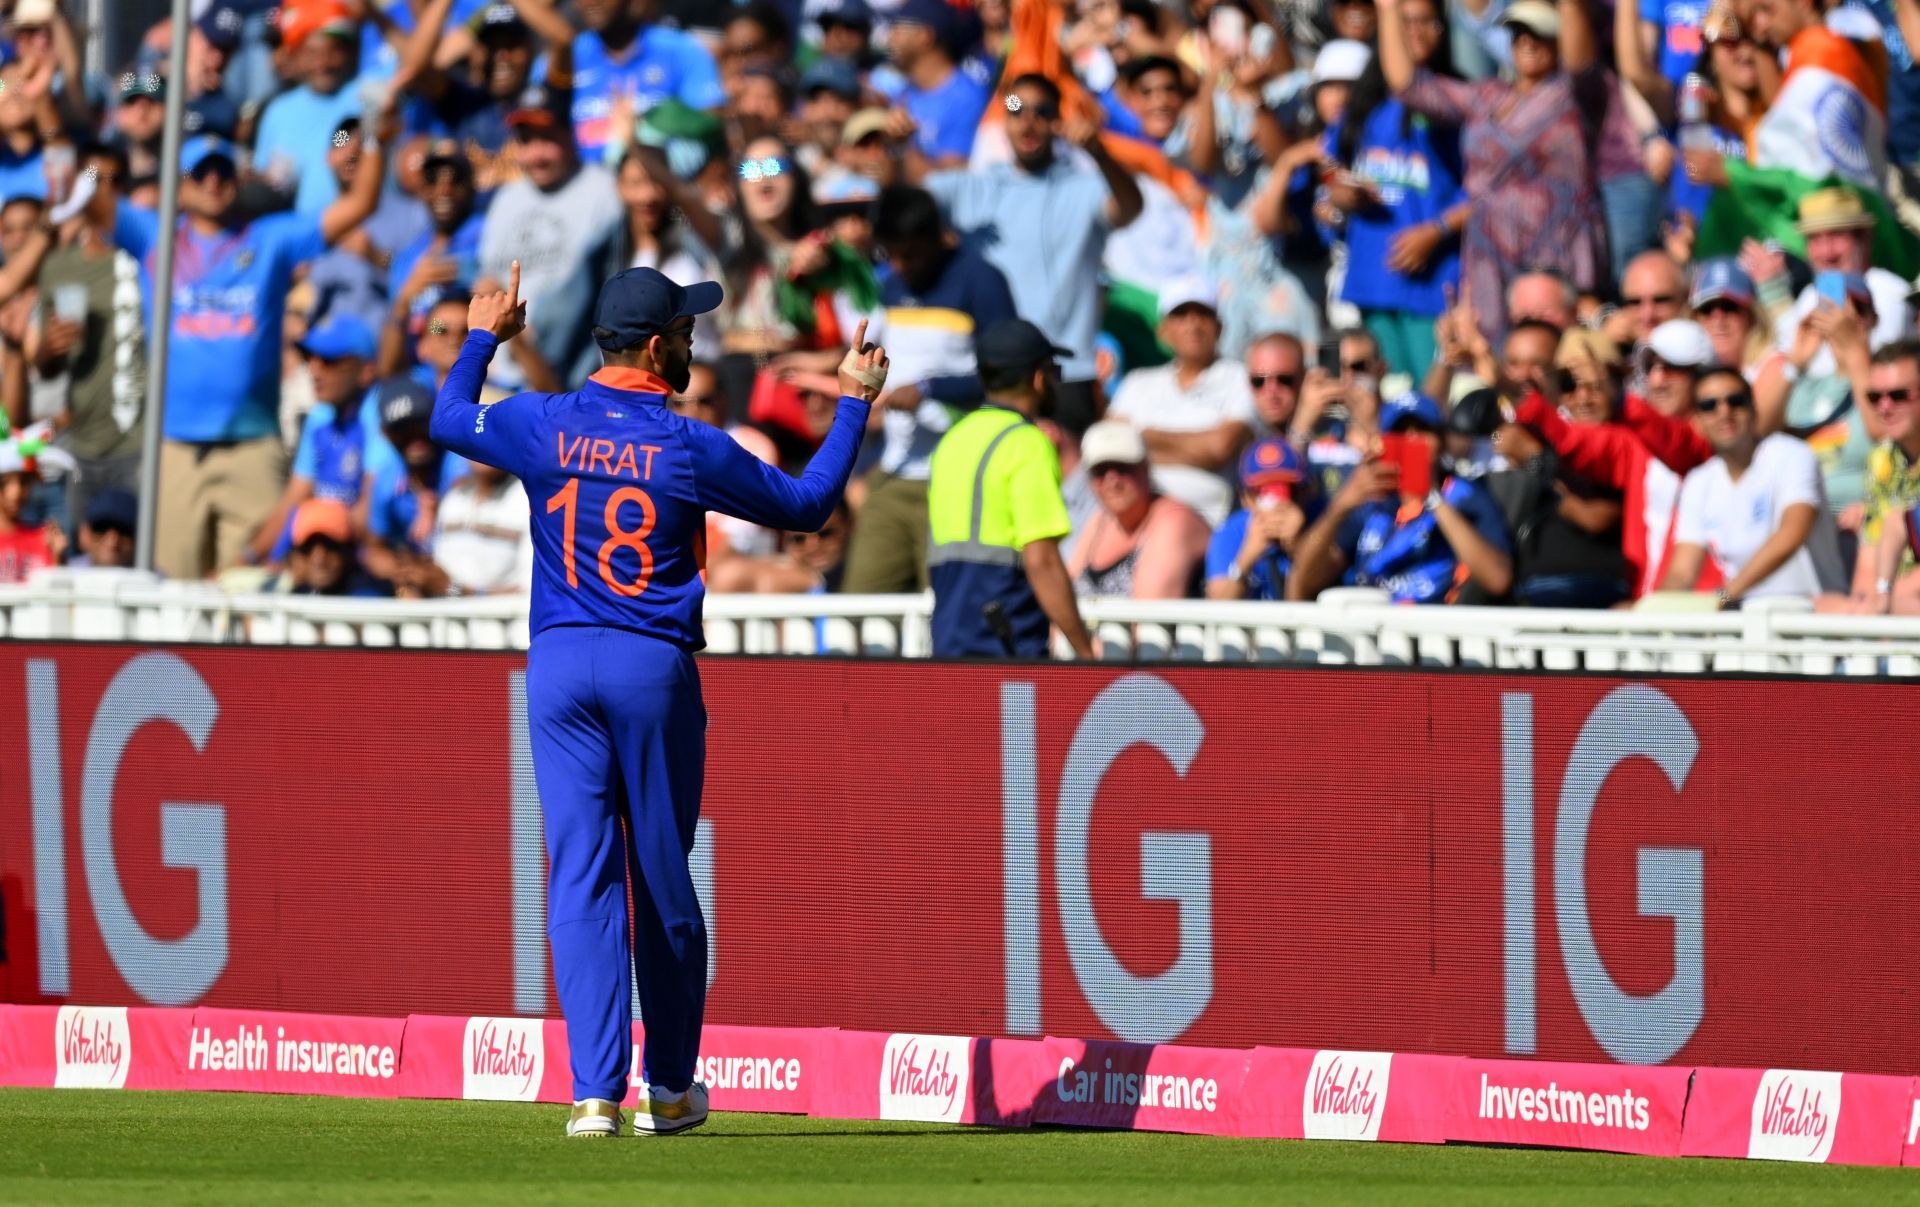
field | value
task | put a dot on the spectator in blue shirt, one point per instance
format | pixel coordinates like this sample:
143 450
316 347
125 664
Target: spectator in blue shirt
445 257
1252 551
331 458
402 497
622 60
23 115
296 130
1419 549
1043 222
943 102
220 466
351 277
473 112
1398 188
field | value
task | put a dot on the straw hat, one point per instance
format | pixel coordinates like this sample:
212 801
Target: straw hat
1834 209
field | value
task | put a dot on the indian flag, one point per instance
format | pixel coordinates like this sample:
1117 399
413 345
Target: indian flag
1827 126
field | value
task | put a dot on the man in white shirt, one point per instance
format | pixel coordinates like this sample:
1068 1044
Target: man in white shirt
481 538
1839 234
1195 413
1756 510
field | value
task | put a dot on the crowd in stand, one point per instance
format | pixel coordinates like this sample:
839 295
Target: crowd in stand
1478 301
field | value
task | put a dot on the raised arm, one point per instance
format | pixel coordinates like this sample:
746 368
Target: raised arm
1633 56
357 204
730 480
547 22
417 70
1578 46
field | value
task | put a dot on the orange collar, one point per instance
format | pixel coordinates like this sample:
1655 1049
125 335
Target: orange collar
638 381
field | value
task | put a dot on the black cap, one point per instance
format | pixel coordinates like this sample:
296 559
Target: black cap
1015 344
113 508
403 401
501 21
537 107
148 85
447 154
1476 414
639 303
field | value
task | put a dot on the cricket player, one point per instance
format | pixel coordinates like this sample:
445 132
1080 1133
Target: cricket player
620 487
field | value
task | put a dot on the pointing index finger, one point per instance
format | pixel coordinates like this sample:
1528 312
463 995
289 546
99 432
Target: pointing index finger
860 335
513 283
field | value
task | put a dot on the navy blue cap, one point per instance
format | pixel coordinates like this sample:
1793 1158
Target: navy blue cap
220 26
339 337
1411 407
199 150
835 75
501 20
402 400
936 15
1015 344
846 12
639 303
113 508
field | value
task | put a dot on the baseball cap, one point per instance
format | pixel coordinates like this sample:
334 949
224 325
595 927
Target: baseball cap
861 124
690 138
339 337
1537 17
1015 344
1582 346
113 508
501 21
446 153
1341 61
1111 442
853 13
936 15
1476 414
1189 291
536 107
402 401
834 75
1681 343
1270 461
137 85
301 19
1721 280
1410 407
197 151
33 12
322 518
640 302
220 26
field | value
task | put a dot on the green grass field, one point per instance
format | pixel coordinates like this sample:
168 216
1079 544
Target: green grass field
69 1146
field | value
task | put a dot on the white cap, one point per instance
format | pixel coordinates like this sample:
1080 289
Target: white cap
1341 61
1111 442
1188 291
1681 343
1537 17
33 12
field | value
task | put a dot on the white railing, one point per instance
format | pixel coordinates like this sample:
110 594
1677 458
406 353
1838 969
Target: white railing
1345 627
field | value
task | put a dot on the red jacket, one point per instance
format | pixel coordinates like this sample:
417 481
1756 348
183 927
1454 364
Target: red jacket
1644 456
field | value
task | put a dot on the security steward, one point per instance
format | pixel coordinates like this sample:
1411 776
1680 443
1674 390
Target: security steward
996 513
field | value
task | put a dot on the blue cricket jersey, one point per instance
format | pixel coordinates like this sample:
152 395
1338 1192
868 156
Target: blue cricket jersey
620 488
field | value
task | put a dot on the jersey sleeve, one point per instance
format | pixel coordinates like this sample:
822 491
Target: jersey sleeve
699 78
732 481
1033 489
500 434
1224 545
1483 513
296 238
135 230
1799 476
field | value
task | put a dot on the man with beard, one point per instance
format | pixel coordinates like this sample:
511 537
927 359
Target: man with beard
996 513
620 487
445 258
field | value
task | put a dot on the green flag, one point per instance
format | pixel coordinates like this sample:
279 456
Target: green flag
1764 203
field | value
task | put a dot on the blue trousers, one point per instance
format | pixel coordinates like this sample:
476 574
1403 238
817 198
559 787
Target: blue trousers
619 737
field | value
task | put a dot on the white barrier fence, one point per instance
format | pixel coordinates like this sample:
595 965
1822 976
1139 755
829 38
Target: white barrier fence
1345 627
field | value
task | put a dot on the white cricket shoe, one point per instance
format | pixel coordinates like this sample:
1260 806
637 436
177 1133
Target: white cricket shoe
660 1113
594 1117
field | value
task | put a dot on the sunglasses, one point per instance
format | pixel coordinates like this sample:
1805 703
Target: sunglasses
1110 467
1738 402
1901 396
1652 299
1570 384
830 532
763 169
1259 380
1718 306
